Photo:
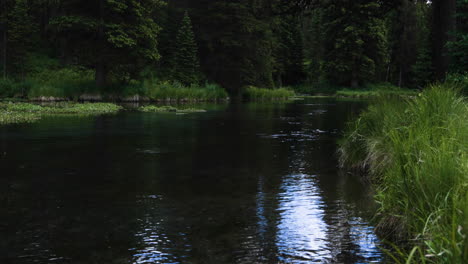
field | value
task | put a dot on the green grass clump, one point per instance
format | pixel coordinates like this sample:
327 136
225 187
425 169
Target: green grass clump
157 109
14 117
25 112
166 90
261 94
87 108
415 151
376 90
61 83
166 109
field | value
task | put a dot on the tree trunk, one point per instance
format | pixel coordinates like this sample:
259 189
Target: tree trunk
444 25
4 41
354 78
101 73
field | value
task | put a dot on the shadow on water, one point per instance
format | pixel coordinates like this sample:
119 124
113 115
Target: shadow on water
251 183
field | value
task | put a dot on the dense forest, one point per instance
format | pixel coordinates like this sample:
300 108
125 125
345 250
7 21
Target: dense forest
274 43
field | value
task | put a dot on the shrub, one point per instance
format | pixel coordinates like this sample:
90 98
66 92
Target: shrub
255 93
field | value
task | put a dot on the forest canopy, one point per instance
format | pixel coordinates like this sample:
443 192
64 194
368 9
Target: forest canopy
236 43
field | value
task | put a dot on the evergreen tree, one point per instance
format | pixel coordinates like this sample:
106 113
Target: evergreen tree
423 71
314 45
20 38
185 58
458 48
116 37
355 42
288 55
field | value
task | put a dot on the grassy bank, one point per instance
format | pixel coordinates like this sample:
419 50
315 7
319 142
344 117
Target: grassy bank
252 93
415 152
366 91
25 112
75 83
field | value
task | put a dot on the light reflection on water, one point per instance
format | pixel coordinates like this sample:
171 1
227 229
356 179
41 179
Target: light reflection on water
301 229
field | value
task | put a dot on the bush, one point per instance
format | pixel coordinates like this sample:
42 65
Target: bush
62 83
10 88
254 93
176 91
415 151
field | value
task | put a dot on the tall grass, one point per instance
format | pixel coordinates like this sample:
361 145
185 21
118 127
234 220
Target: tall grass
260 94
165 90
415 151
67 83
375 90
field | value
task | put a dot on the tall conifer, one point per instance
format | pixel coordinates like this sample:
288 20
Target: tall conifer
185 64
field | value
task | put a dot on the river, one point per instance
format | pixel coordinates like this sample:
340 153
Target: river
242 183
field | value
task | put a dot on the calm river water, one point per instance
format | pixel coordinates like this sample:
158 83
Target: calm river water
242 183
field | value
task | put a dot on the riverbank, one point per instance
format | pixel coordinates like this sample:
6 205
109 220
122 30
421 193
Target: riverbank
415 152
72 86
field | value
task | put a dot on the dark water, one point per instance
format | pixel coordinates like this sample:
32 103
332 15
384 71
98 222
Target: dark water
252 183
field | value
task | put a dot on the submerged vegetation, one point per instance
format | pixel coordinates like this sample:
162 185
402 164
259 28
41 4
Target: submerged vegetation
416 152
25 112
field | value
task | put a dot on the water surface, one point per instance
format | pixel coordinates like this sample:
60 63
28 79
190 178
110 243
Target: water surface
243 183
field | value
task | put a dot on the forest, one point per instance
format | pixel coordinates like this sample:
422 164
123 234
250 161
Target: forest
234 131
71 47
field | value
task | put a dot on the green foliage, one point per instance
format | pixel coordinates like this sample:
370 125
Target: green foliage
21 31
458 47
11 88
415 151
376 90
185 62
119 37
165 109
261 94
15 118
67 83
356 42
11 113
176 91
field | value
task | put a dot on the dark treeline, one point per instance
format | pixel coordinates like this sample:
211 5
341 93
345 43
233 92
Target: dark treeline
264 43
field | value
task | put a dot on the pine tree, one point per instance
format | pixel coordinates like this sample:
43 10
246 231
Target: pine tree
458 48
185 58
355 42
422 70
117 37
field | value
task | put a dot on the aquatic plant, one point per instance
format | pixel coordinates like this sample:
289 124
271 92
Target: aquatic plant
26 112
162 109
415 152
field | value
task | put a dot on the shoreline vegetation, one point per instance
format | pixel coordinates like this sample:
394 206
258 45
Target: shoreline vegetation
14 113
415 153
